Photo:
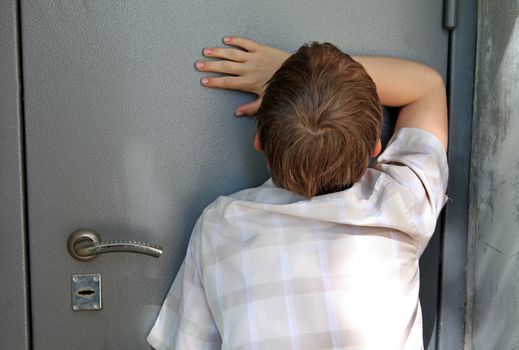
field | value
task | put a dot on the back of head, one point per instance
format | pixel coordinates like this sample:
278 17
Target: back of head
319 121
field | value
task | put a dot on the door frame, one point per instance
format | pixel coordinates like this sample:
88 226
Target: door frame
15 329
460 95
15 326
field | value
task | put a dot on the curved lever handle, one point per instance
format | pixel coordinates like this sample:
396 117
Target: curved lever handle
86 244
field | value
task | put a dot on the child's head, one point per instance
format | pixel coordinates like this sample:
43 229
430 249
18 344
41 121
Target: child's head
319 121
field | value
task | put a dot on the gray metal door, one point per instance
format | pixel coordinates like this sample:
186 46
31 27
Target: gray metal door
121 138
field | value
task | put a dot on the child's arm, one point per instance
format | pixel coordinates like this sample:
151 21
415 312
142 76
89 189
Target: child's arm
418 89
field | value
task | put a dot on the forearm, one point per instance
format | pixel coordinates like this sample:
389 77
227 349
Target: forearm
417 88
399 82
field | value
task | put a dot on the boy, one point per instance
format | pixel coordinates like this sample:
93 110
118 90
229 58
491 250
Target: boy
325 254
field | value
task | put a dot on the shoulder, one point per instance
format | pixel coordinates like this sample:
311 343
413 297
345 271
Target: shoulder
415 165
409 145
256 197
415 155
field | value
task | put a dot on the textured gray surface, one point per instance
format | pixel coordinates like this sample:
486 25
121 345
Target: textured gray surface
121 137
14 329
493 293
454 240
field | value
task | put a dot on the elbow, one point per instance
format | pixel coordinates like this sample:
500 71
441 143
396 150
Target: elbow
435 79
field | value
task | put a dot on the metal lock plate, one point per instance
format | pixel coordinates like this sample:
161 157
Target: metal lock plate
86 292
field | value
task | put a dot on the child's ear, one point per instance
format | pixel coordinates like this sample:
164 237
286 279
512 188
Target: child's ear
257 143
377 149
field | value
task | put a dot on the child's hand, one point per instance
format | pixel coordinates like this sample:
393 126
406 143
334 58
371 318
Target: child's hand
246 70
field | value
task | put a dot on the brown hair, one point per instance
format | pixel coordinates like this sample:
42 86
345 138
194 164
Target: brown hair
319 121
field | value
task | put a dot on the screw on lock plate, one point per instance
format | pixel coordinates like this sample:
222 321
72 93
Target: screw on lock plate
86 292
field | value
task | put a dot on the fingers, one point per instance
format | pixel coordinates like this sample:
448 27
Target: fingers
225 67
226 54
233 83
234 62
248 108
246 44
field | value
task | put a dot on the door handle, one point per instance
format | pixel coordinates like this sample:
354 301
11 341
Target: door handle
86 244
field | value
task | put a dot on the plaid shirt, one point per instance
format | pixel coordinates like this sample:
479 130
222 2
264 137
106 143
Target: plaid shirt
267 269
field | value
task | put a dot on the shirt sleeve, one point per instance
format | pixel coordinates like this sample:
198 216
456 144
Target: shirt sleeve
416 163
185 320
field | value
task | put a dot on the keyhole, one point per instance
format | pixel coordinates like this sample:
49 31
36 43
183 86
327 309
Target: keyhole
85 292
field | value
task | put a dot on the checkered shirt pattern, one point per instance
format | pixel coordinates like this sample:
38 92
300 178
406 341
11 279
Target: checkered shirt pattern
266 269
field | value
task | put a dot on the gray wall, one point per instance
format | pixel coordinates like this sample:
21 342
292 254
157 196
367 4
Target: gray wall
493 266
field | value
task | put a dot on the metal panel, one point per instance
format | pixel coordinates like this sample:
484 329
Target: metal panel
493 274
454 239
14 323
122 138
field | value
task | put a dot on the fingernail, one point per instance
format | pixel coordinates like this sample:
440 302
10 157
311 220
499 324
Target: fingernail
208 51
199 65
238 113
226 39
205 81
